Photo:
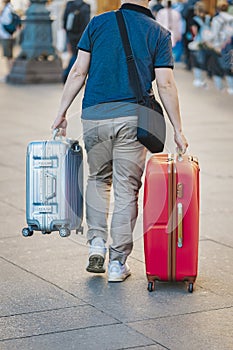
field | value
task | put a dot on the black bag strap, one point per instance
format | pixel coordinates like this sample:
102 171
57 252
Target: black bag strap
132 68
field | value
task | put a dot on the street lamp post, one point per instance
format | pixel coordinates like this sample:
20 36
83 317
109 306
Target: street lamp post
38 61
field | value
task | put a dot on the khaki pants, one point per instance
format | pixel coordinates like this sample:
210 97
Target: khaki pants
117 159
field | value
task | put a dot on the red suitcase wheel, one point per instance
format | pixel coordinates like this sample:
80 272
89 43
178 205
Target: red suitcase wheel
190 287
151 287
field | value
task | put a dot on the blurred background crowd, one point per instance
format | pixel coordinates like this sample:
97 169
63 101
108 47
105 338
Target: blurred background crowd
202 33
202 39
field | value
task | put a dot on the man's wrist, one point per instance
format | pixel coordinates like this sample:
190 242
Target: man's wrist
178 130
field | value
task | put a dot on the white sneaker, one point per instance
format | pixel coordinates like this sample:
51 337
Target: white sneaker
97 253
3 79
230 91
117 272
199 83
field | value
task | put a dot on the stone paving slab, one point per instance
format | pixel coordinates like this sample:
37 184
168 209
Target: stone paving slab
13 197
137 304
218 139
9 211
204 330
14 219
217 194
16 163
216 265
17 202
52 321
216 166
217 207
215 226
114 337
70 256
23 292
9 173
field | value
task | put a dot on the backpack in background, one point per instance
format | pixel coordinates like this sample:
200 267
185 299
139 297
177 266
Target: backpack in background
14 25
204 34
226 31
74 19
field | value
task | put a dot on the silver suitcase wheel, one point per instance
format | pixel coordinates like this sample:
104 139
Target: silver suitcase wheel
26 232
64 232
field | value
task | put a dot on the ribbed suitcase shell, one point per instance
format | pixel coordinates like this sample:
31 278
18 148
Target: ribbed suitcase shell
171 219
54 186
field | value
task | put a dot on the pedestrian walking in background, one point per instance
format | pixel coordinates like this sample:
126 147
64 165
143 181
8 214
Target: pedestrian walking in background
188 14
178 49
230 7
7 36
115 156
226 62
221 47
201 32
75 19
171 20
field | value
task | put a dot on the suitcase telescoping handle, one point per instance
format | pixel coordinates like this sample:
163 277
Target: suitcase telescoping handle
180 225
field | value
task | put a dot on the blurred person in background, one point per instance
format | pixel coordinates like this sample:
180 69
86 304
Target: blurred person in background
226 62
178 49
171 20
7 40
201 32
187 15
230 7
221 45
75 19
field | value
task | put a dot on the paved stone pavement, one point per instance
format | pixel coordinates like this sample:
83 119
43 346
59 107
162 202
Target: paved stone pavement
49 301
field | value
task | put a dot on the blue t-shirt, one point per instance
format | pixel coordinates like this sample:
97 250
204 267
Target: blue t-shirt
108 78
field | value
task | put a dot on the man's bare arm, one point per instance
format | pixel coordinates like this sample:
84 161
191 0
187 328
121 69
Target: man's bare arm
73 85
169 97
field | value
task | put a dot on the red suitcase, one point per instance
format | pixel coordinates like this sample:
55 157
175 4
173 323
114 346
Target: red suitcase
171 219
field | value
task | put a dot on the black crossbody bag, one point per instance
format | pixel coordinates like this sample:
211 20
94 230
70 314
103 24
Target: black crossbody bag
151 129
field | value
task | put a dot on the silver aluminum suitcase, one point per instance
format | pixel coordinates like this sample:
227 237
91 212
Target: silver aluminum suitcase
54 187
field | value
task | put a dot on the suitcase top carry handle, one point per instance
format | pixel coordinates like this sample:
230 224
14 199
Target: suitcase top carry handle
74 144
179 154
55 133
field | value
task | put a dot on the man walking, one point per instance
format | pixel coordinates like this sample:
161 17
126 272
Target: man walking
115 156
